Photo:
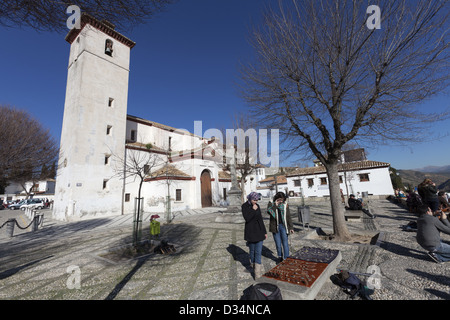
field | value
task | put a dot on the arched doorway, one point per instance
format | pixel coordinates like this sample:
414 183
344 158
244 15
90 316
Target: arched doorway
205 186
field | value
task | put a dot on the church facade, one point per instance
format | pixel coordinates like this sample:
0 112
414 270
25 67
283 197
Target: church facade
109 158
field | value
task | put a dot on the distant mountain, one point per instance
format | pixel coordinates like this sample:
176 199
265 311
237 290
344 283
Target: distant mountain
434 169
414 177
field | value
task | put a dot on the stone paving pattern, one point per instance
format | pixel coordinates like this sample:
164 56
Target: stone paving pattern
212 263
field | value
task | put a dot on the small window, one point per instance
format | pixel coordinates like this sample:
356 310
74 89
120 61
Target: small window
225 194
178 195
105 184
146 169
107 156
109 47
310 182
111 102
133 135
340 179
108 130
363 177
127 197
296 183
323 181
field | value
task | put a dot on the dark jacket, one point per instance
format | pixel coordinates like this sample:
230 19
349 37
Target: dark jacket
274 214
428 228
254 230
428 192
354 204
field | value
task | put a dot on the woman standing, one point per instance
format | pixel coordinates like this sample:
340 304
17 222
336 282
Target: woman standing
255 231
280 224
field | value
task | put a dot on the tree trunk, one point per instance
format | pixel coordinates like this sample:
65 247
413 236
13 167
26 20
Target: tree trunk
137 223
339 225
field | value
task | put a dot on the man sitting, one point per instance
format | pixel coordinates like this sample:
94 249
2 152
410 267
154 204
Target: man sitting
428 227
355 204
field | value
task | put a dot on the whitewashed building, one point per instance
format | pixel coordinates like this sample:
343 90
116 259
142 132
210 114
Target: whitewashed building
357 175
189 169
371 177
37 189
99 140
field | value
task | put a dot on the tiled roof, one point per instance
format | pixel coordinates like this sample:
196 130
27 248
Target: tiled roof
224 175
271 180
103 26
168 171
349 166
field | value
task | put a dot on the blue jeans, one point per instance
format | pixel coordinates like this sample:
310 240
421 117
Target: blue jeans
281 242
442 251
255 251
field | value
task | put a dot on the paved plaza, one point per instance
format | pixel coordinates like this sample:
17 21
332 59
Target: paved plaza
211 262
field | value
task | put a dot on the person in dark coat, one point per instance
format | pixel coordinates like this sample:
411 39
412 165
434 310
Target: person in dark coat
254 231
427 190
354 204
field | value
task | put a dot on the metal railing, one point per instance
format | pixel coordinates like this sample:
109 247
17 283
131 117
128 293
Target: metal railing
37 220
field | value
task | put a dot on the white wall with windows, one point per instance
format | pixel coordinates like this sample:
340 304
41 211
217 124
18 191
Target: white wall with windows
375 181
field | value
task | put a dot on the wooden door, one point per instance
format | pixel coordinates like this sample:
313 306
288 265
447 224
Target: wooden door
205 182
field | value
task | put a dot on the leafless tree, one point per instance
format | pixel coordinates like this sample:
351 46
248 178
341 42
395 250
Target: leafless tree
141 161
25 147
50 15
324 78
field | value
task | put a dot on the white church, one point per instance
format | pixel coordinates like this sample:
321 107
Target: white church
107 154
109 158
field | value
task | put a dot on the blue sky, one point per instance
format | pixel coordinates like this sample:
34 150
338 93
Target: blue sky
184 68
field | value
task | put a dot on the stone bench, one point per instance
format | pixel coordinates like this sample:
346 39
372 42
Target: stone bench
353 215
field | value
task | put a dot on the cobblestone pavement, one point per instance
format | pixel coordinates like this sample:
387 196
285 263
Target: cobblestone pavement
211 262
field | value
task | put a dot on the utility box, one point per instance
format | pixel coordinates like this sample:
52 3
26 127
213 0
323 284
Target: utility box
304 215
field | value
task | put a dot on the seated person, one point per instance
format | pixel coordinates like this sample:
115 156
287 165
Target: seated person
443 203
429 225
354 204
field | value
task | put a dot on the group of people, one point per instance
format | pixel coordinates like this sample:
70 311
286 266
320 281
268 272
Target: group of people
433 220
280 225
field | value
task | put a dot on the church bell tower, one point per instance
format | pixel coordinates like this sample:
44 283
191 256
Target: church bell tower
88 183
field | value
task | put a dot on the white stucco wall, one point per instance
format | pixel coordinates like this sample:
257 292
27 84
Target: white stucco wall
93 78
379 183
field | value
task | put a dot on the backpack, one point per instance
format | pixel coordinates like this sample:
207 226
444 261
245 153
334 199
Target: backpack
265 291
351 284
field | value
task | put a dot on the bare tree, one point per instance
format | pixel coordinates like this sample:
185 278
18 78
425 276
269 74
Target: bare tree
324 77
25 147
50 15
143 162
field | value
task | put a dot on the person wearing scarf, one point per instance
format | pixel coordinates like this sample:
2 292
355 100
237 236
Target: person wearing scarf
280 224
254 231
